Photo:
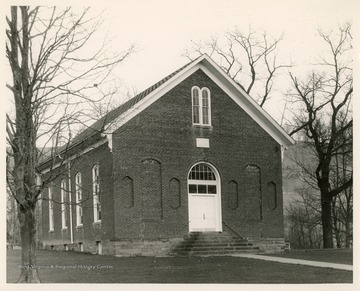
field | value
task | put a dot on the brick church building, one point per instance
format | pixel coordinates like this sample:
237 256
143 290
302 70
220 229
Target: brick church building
194 153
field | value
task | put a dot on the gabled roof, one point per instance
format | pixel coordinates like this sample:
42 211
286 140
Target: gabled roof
122 114
209 67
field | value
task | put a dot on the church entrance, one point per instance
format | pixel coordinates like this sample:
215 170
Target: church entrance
204 198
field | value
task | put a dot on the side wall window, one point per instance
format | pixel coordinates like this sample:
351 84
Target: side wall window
201 106
63 204
96 193
78 193
51 210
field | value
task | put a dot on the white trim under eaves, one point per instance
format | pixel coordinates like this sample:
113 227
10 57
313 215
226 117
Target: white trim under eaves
206 64
72 157
259 111
151 98
257 114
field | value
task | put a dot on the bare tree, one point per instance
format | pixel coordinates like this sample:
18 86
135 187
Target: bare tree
303 213
250 59
342 204
54 74
323 119
302 220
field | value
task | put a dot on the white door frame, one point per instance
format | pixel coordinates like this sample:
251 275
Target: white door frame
217 198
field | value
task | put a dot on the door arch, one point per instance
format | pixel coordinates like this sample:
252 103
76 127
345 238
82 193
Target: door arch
204 198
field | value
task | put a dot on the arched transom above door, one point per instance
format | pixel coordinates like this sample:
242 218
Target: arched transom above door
202 180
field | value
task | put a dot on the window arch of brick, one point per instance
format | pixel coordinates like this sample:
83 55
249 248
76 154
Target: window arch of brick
150 161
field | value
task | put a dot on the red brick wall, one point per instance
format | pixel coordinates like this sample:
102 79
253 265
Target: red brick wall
160 145
89 233
164 132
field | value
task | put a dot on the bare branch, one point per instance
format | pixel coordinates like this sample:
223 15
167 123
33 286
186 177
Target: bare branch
249 59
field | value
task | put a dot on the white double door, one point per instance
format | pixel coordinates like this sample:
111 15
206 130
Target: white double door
204 213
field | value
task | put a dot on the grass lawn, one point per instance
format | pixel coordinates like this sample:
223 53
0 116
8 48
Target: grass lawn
73 267
338 256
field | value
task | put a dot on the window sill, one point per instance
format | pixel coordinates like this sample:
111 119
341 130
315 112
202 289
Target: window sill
80 226
51 231
202 126
64 228
98 222
152 220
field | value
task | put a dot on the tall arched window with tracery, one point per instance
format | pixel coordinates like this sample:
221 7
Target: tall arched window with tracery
201 106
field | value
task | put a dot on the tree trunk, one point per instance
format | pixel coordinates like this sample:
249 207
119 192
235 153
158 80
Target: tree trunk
29 272
326 220
336 223
347 235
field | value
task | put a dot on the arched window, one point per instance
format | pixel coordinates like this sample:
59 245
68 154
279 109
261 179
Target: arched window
96 193
195 105
201 106
78 193
63 204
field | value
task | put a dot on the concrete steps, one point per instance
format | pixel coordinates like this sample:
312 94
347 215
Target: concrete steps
213 243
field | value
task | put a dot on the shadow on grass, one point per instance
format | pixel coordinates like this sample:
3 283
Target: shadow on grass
73 267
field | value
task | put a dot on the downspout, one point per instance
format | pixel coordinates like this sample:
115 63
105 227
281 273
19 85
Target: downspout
283 149
70 208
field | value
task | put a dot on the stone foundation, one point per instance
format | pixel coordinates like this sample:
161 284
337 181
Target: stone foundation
160 247
269 245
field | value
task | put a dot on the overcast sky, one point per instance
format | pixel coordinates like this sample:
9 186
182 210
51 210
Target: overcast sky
163 29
